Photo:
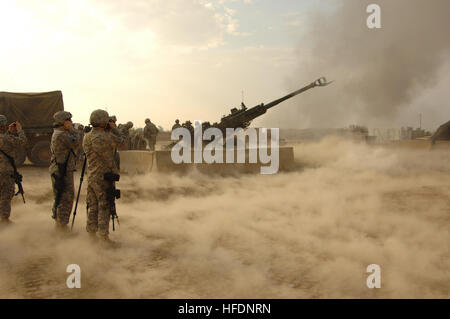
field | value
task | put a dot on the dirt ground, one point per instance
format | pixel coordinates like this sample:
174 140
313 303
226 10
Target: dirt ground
310 233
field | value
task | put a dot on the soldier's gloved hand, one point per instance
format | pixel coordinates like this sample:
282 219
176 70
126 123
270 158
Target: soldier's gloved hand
68 125
14 126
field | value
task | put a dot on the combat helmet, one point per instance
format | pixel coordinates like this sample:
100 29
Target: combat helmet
60 117
99 117
129 124
3 120
147 121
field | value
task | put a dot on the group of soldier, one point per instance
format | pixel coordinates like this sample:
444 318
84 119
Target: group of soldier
151 131
187 125
99 145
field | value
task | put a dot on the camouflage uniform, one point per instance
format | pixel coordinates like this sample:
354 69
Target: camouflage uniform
9 142
64 147
125 131
79 129
113 119
99 148
150 132
125 128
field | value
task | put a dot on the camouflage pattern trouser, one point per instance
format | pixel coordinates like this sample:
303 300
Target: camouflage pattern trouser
98 207
117 159
6 194
151 142
66 200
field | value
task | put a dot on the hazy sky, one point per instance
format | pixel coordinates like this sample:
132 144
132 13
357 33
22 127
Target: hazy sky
167 59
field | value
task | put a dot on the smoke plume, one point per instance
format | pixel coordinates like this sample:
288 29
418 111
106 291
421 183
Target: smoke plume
379 72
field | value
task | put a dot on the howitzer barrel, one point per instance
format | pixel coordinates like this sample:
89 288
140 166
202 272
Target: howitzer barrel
242 118
319 82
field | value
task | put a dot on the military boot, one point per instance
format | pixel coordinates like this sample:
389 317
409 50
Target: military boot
93 236
62 229
6 221
108 242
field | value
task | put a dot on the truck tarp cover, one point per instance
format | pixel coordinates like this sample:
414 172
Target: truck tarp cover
31 109
443 132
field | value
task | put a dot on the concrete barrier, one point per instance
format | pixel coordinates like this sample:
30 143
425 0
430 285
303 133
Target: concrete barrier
136 162
164 163
141 162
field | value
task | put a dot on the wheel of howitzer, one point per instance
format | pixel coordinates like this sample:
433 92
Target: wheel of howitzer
21 155
40 153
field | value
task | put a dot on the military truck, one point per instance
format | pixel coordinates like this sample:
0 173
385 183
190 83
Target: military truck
35 112
442 133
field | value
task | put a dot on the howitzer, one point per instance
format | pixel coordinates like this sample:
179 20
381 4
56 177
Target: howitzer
241 118
112 193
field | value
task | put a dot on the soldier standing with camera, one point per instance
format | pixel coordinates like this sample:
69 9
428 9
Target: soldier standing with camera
99 145
11 137
64 148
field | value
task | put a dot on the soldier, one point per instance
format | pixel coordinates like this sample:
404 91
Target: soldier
80 130
113 120
125 131
150 132
64 147
11 137
124 128
176 125
99 147
188 125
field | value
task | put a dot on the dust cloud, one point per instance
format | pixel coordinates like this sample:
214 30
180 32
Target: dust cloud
379 73
310 233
